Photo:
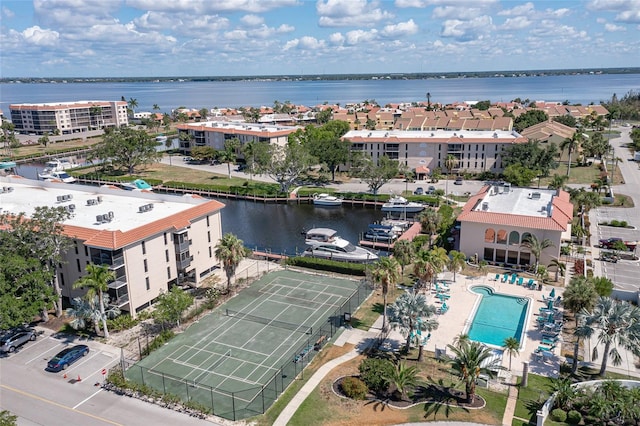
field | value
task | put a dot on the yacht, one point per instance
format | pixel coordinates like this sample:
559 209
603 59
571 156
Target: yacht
137 185
399 204
56 176
327 244
58 165
384 233
326 200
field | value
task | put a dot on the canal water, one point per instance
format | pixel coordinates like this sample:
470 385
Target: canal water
277 227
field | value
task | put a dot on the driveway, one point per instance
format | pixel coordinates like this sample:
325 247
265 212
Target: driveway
73 396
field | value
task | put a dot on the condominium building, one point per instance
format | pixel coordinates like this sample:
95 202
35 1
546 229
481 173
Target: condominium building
68 117
476 151
497 220
150 241
216 133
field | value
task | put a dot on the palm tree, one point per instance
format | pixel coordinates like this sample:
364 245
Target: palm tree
428 101
430 220
97 282
133 104
412 315
559 266
558 181
571 143
536 247
230 251
456 262
579 295
616 323
428 264
470 361
450 163
461 339
385 273
404 253
403 378
228 154
86 310
511 345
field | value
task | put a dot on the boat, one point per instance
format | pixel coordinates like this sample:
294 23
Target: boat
137 185
384 233
57 176
59 165
399 204
325 243
6 165
326 200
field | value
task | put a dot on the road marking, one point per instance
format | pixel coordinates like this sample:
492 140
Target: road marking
87 398
42 353
48 401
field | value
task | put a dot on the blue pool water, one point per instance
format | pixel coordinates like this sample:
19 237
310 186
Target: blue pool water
498 316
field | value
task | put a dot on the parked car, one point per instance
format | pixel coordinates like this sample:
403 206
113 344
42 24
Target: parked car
241 167
610 242
16 338
66 357
458 181
431 190
419 191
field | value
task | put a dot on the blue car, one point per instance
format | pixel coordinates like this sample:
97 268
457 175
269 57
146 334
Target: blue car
67 357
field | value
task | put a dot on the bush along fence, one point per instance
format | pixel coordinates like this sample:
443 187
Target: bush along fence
251 401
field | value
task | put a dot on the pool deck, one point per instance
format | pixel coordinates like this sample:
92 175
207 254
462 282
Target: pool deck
462 304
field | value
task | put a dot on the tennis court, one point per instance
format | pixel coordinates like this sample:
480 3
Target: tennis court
239 358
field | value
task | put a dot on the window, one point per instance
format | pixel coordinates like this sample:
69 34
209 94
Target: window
209 236
78 265
86 251
62 279
525 258
207 221
502 237
488 254
75 243
512 257
165 238
168 272
514 238
146 267
210 252
148 284
501 256
166 255
490 236
526 236
144 248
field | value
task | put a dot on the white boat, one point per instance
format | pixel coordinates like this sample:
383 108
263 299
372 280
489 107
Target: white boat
326 200
6 165
137 185
384 233
60 176
399 204
59 165
327 244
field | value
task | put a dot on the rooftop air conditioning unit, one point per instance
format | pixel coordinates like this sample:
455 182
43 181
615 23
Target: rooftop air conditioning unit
150 206
99 199
110 215
91 202
71 207
535 196
60 198
106 218
68 197
495 135
99 218
142 209
485 206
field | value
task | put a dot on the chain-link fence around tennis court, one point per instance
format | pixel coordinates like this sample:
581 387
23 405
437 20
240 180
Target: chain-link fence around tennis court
254 400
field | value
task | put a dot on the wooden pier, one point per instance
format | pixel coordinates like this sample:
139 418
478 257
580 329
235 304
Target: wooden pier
409 235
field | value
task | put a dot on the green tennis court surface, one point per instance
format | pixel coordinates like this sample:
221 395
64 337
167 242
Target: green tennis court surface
240 357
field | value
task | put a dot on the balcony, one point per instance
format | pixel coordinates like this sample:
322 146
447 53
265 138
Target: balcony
118 293
182 246
184 262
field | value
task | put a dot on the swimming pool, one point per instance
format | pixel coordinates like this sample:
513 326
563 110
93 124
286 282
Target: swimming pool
497 317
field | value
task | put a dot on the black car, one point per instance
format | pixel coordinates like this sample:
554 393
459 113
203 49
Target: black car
16 338
419 191
67 357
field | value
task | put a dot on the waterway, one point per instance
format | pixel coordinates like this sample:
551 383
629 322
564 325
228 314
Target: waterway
582 88
277 227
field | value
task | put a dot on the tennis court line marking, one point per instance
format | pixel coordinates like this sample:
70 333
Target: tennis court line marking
203 371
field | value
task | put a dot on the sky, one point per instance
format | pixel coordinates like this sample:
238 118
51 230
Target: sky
163 38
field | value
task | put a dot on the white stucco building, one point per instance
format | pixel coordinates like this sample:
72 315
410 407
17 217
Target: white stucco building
495 222
151 241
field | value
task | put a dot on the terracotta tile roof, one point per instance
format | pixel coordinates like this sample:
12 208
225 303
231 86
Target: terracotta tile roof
117 239
560 218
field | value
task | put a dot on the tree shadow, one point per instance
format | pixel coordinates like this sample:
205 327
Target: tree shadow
378 308
442 399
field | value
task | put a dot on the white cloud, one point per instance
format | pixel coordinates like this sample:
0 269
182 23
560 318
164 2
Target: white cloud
235 35
629 16
628 11
517 23
613 28
285 28
336 39
400 29
427 3
252 20
341 13
7 13
557 13
211 6
304 43
455 12
467 30
40 37
360 36
522 9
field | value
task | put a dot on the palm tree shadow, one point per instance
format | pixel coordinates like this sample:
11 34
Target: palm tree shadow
440 397
380 404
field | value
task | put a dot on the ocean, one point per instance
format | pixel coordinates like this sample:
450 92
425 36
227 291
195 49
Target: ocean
582 88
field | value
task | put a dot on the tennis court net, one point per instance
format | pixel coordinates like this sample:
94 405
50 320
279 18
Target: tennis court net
272 322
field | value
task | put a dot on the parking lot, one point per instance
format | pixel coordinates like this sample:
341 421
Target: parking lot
624 273
72 396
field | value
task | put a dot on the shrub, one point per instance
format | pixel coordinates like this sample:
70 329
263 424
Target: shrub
121 322
354 388
623 223
373 372
328 265
614 223
559 415
420 241
574 417
158 342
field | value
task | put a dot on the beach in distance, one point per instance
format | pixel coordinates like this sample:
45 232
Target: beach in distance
168 95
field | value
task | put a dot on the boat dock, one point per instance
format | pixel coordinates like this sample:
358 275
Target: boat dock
409 235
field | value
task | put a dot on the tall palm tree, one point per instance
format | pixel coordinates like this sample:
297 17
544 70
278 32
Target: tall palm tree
560 267
228 154
428 101
616 323
404 253
230 251
558 181
456 262
403 378
97 282
428 264
536 247
430 220
461 339
470 361
85 310
450 163
570 144
511 345
386 274
412 315
579 295
133 104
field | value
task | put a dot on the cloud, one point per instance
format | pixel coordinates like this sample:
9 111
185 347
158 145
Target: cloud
360 36
73 13
400 29
455 12
522 9
7 13
467 30
517 23
285 28
459 3
40 37
235 35
627 11
252 20
614 28
342 13
211 6
336 39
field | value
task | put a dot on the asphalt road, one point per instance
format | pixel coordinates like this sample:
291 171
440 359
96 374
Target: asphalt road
40 397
